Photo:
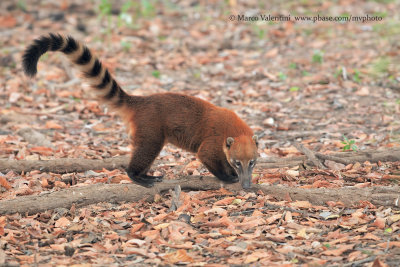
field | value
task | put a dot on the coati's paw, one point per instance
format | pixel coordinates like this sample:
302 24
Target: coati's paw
145 180
157 178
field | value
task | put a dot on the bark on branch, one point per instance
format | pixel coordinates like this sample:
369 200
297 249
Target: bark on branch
86 195
66 165
63 165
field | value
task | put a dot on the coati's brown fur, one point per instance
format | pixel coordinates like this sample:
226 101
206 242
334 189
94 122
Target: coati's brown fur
222 141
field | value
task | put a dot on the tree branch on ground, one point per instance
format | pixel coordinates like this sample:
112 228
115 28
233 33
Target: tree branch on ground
115 193
66 165
310 154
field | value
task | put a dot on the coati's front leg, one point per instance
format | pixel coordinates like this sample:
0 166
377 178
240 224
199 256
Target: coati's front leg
215 161
144 153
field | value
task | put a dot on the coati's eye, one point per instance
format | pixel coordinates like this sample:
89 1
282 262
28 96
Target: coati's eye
252 163
237 163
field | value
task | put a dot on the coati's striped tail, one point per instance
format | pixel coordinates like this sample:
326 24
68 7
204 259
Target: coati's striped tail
97 75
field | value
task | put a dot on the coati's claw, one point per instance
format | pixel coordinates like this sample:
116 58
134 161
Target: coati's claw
158 178
145 180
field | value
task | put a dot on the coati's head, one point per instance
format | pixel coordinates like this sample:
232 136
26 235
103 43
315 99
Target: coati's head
241 153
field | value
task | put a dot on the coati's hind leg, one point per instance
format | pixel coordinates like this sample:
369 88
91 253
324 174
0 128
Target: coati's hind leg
215 161
146 149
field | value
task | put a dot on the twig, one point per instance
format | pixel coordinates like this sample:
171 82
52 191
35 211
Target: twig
310 155
176 194
333 158
281 219
387 245
359 262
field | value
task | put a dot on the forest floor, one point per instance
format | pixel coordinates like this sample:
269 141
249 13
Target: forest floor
329 85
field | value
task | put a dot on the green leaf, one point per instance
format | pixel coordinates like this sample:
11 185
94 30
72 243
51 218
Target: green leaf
156 74
318 57
105 7
356 76
282 76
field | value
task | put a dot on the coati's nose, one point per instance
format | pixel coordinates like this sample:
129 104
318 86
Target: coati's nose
246 183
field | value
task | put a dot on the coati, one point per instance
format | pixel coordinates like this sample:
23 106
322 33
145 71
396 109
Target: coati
222 141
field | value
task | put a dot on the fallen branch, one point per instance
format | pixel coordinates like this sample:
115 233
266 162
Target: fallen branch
310 155
374 156
335 159
66 165
114 193
63 165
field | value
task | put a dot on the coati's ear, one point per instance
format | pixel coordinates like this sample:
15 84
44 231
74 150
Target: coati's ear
255 138
229 141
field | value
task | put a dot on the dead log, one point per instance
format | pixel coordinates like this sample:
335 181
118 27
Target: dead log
66 165
115 193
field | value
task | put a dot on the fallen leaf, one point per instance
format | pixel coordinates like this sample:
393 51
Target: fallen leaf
7 21
394 218
235 249
224 221
293 173
250 224
371 237
255 256
53 125
338 251
45 151
119 214
62 222
135 241
301 204
216 210
161 226
378 263
179 256
14 96
379 222
4 183
271 53
302 233
390 244
60 184
273 218
225 201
